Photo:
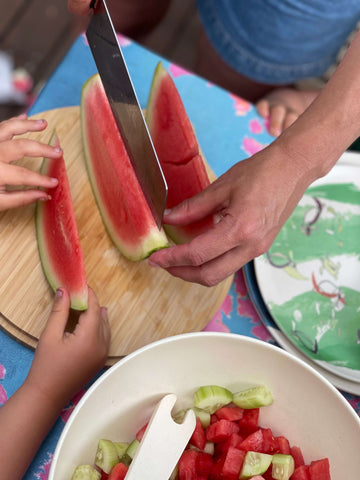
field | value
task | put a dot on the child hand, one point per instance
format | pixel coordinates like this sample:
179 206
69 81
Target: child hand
282 106
12 150
65 362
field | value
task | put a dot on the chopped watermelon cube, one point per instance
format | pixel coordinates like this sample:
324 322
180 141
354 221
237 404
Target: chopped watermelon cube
320 469
284 445
204 463
254 442
214 418
187 465
270 445
221 430
232 464
216 470
141 432
233 441
198 438
118 472
249 422
301 473
232 413
297 456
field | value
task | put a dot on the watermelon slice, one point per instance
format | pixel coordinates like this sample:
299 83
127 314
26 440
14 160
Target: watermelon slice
121 202
178 151
57 235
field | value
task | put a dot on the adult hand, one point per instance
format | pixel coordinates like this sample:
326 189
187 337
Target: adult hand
251 201
64 362
12 150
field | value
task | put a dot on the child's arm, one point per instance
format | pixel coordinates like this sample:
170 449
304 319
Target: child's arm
13 149
63 364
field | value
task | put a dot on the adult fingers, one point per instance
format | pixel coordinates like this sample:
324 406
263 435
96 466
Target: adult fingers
205 203
13 150
223 237
15 199
20 125
215 271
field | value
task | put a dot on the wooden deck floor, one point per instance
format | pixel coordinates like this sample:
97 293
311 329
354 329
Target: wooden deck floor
38 33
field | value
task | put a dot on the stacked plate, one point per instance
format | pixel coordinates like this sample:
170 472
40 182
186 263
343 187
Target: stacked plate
306 288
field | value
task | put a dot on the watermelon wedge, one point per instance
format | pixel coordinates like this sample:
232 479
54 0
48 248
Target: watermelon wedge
178 151
121 202
57 235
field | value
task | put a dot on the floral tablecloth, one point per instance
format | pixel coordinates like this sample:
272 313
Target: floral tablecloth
228 130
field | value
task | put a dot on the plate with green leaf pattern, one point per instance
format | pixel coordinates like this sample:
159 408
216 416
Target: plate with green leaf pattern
310 277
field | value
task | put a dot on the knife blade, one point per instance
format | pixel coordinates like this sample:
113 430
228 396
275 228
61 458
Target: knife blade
126 109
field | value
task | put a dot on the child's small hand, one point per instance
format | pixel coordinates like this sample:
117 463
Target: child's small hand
11 150
65 362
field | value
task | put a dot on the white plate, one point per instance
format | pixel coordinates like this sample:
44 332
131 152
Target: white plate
310 277
250 279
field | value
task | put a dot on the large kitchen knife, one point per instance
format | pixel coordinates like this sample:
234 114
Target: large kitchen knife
125 107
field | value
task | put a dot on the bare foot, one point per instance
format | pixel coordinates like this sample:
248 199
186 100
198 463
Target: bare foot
282 106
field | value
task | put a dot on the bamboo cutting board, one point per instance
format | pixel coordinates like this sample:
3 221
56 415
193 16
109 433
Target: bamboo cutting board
144 304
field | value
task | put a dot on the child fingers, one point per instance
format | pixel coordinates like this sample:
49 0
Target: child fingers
15 199
95 318
263 108
92 314
20 125
59 315
14 175
11 151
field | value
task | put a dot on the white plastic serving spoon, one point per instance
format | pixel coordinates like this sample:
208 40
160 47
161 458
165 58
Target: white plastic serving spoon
162 444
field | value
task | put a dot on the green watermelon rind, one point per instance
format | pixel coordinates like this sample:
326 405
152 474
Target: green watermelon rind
176 233
155 239
79 301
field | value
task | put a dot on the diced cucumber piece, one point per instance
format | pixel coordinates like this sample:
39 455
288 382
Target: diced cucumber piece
125 459
121 448
283 466
131 450
204 416
106 455
255 463
179 416
259 396
85 472
212 397
209 448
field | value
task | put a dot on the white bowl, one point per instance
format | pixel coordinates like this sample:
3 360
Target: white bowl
307 409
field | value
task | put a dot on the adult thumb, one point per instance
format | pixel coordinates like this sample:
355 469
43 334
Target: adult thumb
193 209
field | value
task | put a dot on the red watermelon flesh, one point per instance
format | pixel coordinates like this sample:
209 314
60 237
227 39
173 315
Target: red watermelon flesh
178 150
121 202
57 235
